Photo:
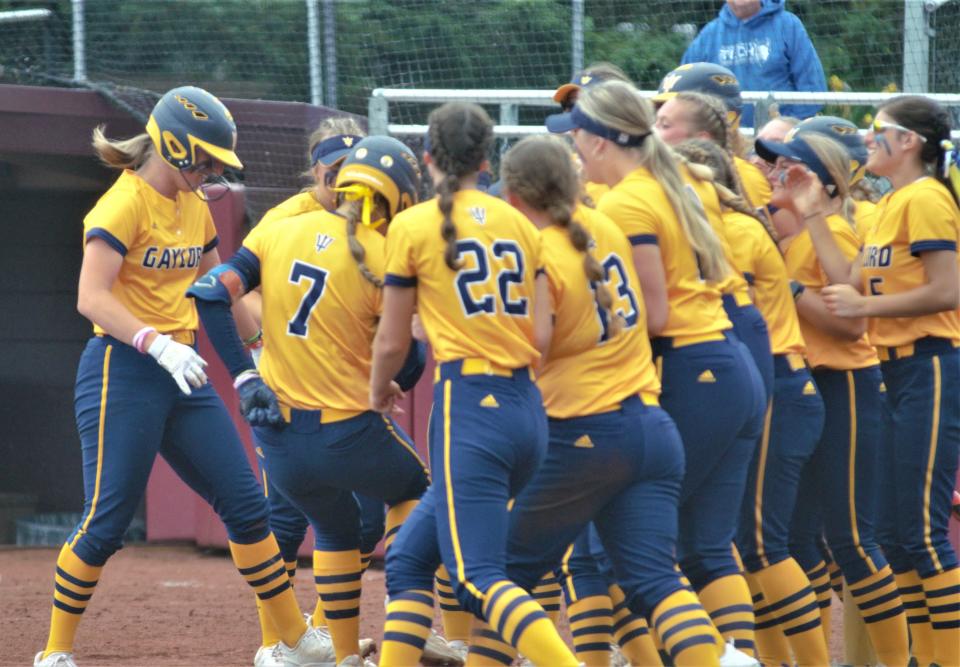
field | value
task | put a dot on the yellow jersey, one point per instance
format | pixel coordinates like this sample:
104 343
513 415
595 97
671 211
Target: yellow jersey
586 371
706 195
824 350
639 206
485 309
757 257
864 215
319 313
917 218
755 183
595 191
302 202
162 241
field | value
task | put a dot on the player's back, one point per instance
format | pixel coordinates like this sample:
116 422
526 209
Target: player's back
319 312
588 370
484 309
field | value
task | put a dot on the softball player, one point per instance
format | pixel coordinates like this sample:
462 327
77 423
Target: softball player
717 81
146 240
840 485
791 432
320 274
905 282
615 457
467 261
710 385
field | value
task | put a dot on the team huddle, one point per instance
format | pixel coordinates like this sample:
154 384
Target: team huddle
686 386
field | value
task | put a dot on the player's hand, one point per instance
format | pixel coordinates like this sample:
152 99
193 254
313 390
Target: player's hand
385 401
805 191
258 403
844 301
181 361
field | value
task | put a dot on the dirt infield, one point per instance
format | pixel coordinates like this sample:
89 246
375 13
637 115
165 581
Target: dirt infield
159 605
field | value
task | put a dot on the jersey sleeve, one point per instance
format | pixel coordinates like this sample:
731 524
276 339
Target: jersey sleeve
634 219
400 267
932 223
210 238
116 220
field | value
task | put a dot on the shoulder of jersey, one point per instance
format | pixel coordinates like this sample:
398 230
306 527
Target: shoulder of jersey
931 187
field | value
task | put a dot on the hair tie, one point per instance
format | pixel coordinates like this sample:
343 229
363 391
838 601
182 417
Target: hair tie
358 191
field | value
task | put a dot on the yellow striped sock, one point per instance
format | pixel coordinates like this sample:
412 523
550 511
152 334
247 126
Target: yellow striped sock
74 583
337 575
487 648
591 625
728 602
836 579
319 620
942 592
819 578
918 618
365 559
772 646
522 622
632 633
396 515
268 633
789 596
456 621
262 567
548 595
406 628
686 632
882 611
291 566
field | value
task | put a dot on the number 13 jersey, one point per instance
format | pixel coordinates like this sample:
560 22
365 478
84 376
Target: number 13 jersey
485 308
319 312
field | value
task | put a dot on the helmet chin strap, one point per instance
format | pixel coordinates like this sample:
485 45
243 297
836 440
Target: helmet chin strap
202 192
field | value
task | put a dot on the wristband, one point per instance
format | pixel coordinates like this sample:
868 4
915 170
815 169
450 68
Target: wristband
245 376
140 339
796 288
255 340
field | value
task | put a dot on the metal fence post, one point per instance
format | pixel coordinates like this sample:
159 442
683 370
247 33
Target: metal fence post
576 36
79 42
916 47
330 51
509 115
313 53
378 114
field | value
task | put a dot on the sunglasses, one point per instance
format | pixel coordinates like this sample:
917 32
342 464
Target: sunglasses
880 126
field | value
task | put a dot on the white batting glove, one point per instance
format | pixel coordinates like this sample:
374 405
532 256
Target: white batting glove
181 361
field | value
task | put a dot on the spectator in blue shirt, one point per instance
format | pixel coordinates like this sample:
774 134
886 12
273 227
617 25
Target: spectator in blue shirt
766 47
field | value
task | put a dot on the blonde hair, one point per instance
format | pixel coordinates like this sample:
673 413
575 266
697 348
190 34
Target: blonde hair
353 212
328 127
836 159
122 153
540 171
725 179
619 106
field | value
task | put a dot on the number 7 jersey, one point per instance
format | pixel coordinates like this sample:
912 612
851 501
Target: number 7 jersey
319 312
484 309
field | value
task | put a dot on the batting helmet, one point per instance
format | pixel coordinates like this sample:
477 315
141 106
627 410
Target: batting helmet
385 166
187 118
843 132
705 78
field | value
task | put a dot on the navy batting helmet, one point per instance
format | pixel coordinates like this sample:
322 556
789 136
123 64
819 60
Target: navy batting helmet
842 131
187 118
387 167
705 78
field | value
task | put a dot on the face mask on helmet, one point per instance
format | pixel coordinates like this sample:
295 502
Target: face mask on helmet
379 166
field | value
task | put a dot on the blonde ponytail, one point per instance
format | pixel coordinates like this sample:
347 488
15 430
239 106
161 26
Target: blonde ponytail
122 153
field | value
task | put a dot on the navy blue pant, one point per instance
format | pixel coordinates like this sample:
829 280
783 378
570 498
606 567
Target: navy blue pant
840 484
482 457
319 467
128 410
716 397
289 524
750 327
588 570
621 469
793 428
921 448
